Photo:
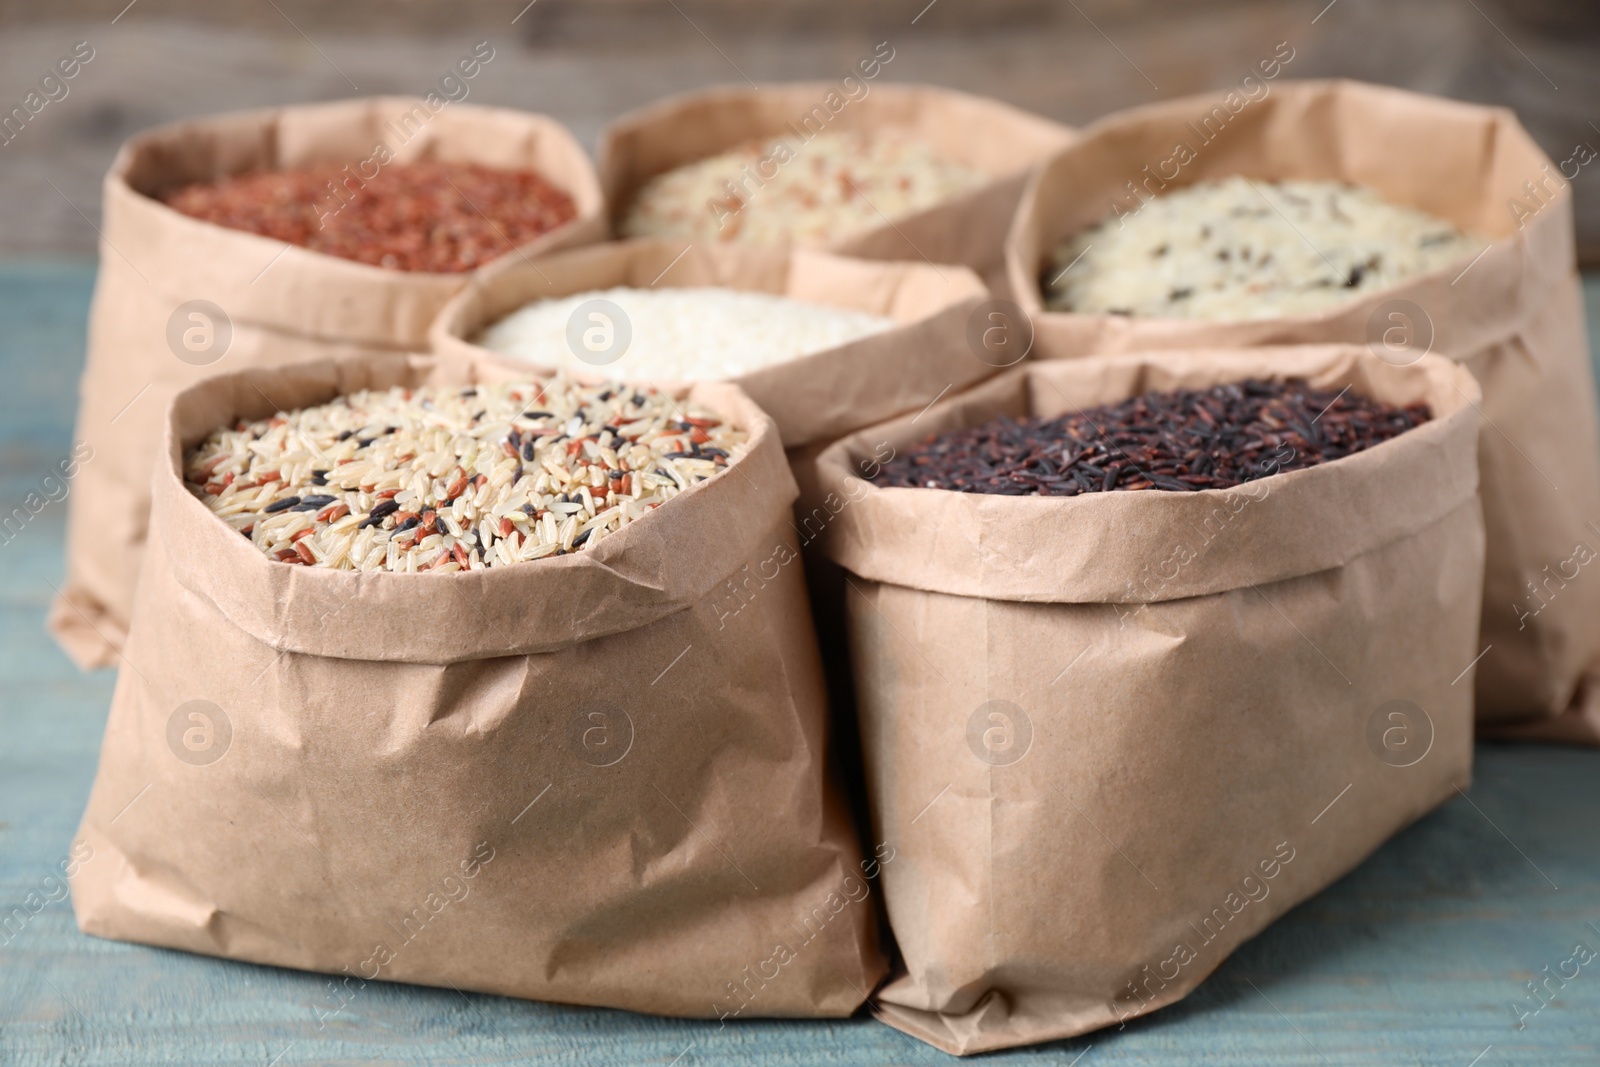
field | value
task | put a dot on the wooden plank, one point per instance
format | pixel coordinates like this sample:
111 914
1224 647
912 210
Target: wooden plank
585 62
1416 957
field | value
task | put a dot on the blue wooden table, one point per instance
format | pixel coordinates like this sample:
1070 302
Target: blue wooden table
1421 956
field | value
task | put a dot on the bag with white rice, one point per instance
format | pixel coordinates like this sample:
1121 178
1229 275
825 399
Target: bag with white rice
1342 212
823 343
344 767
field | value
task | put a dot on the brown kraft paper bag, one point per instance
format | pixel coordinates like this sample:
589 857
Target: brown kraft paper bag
1001 141
572 780
1111 737
255 300
1514 318
816 398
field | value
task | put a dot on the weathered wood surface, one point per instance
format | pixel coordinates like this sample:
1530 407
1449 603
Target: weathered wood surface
1415 958
586 61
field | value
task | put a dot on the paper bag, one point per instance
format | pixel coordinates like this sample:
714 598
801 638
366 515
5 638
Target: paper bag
814 399
1514 318
178 299
1112 736
818 397
583 779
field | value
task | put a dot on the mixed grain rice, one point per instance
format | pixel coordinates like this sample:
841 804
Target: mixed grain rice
456 478
692 334
791 189
1242 249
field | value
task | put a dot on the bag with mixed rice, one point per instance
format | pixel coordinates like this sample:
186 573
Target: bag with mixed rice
1513 317
584 778
178 298
917 353
1112 736
898 172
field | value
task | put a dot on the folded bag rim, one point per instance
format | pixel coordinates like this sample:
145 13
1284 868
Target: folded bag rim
1535 255
1118 547
254 275
629 579
935 329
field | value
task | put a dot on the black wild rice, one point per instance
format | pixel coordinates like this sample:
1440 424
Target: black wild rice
1178 441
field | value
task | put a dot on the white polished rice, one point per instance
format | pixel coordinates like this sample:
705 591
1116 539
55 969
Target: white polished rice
696 334
789 189
456 478
1244 249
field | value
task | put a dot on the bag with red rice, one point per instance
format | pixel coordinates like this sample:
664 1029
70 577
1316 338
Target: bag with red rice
898 172
1111 735
330 229
1509 308
556 766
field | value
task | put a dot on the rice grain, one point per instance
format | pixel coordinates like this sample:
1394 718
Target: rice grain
691 334
443 479
780 190
1241 249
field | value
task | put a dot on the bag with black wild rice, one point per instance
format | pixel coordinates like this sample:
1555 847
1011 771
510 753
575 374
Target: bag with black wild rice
1299 216
266 237
557 765
1158 671
898 172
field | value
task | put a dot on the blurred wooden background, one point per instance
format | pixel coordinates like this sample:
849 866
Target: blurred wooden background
586 61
